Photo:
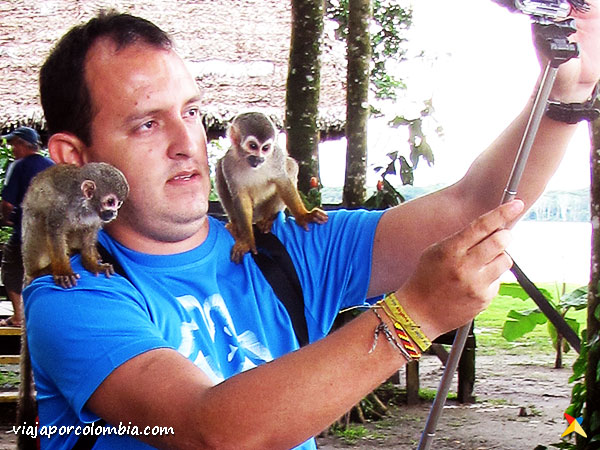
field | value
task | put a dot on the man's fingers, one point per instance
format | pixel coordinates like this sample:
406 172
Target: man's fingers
492 271
489 223
490 247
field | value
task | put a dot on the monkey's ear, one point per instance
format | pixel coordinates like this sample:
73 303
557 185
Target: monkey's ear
87 188
234 135
66 148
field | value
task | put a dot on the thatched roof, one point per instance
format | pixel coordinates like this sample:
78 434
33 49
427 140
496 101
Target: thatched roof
238 50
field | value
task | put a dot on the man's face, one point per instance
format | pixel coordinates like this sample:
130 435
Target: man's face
146 122
19 147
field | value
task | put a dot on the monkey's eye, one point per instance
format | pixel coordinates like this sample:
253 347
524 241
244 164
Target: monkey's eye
266 148
253 146
111 202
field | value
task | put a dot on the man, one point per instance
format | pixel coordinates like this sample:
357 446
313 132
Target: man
195 342
25 143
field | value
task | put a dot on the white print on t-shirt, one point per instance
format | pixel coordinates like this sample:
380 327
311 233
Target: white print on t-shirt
243 350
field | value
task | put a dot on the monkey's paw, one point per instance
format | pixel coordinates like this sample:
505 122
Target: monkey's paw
265 225
240 248
316 215
66 280
105 268
97 267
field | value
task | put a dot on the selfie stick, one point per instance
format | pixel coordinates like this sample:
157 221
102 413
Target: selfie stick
560 51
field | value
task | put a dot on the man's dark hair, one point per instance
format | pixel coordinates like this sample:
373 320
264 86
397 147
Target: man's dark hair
64 93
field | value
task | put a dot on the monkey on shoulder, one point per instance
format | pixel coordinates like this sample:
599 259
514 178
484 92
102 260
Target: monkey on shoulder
64 208
256 179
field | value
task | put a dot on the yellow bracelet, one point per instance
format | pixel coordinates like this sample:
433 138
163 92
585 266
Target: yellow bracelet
394 309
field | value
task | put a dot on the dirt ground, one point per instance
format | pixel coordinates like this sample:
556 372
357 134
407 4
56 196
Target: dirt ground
519 404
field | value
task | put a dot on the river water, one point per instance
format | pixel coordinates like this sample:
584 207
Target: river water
552 251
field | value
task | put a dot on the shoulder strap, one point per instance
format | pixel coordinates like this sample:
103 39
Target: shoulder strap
87 441
277 267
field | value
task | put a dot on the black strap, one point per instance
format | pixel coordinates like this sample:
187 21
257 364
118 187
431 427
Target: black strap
277 267
87 441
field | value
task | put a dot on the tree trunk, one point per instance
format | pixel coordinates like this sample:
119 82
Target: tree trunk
592 407
357 103
303 87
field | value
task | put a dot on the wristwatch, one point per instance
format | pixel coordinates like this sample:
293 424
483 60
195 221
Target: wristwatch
573 112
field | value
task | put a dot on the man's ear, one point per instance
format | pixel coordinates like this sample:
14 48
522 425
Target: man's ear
67 148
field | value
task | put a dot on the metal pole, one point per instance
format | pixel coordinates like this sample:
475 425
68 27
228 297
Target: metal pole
537 113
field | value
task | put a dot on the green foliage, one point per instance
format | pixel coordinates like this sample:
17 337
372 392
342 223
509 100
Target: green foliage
388 42
387 195
519 323
6 157
389 25
9 379
351 434
419 148
384 197
579 391
523 322
312 199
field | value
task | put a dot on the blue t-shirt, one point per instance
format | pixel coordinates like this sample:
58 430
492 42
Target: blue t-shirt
221 315
18 178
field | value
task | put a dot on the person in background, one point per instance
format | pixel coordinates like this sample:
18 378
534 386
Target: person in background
25 143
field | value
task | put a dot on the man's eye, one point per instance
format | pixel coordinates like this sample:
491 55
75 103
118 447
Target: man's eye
193 112
148 125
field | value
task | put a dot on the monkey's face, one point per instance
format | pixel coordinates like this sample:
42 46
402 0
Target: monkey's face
109 207
257 151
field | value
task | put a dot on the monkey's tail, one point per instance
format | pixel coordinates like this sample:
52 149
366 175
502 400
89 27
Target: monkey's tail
26 407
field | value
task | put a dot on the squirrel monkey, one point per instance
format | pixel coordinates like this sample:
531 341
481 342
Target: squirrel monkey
256 179
63 210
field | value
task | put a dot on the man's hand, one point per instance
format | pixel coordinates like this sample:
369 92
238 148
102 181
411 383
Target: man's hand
457 278
577 77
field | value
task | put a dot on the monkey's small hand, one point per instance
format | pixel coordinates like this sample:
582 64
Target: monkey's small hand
105 268
240 248
97 267
315 215
66 280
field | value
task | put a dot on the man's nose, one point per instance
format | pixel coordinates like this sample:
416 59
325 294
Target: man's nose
185 139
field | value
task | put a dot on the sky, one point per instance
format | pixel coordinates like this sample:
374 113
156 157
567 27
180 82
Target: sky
480 68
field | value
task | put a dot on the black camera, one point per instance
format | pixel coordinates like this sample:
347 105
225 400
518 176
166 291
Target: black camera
550 9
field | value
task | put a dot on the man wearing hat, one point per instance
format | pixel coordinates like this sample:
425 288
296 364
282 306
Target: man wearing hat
25 143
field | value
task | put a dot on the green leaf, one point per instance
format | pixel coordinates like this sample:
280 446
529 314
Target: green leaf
406 172
516 291
577 299
579 368
597 313
523 323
